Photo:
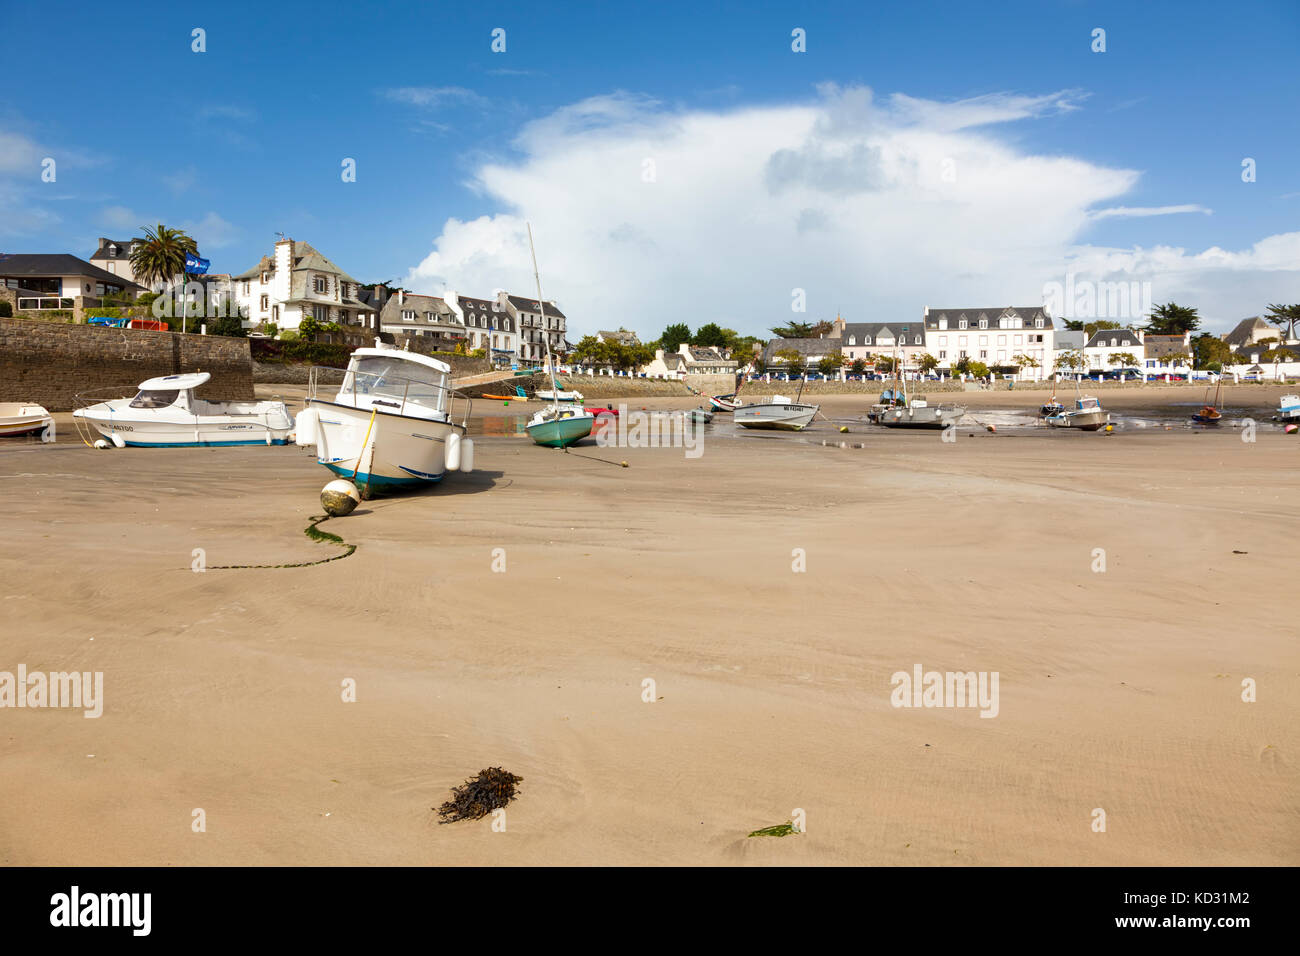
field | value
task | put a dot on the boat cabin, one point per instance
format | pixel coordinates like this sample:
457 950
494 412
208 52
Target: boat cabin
397 382
168 390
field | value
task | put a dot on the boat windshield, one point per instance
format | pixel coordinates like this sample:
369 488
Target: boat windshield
396 380
155 399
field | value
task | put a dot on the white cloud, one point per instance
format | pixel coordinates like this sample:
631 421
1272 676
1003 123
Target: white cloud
434 96
211 232
876 209
1137 211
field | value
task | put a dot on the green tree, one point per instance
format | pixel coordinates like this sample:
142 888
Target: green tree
884 363
1209 349
1284 317
1171 319
1026 361
1071 360
1097 325
858 367
674 336
710 334
792 361
829 364
308 328
1124 359
229 325
978 369
927 363
794 330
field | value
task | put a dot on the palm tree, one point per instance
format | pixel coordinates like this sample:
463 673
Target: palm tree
160 255
1284 316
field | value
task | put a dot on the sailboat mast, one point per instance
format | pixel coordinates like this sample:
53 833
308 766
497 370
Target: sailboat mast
541 308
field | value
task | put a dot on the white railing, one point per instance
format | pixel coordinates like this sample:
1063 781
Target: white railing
393 392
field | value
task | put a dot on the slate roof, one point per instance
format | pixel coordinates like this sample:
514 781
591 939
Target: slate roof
1030 313
105 250
421 305
530 305
860 332
1158 346
1245 331
57 264
305 258
804 347
1124 339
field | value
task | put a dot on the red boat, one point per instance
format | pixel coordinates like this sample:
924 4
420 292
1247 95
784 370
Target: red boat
602 411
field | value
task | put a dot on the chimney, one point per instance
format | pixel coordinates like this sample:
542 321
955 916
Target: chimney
401 297
280 288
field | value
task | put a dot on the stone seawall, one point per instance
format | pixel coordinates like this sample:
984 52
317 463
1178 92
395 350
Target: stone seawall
51 362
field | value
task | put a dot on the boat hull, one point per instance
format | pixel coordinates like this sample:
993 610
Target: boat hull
1085 421
780 417
926 416
560 432
722 404
176 428
23 419
385 450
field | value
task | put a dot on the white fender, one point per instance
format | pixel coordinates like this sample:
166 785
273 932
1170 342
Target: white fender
117 440
466 455
452 454
306 423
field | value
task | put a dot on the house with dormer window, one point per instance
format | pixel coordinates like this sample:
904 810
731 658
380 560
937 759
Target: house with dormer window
867 341
295 282
994 336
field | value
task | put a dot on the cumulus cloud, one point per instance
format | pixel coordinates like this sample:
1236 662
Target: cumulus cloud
646 214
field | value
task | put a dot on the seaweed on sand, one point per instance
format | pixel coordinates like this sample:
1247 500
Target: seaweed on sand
478 796
780 830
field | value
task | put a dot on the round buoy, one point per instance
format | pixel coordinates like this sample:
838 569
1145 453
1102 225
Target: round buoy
102 444
1110 428
623 463
340 497
992 428
1291 429
843 429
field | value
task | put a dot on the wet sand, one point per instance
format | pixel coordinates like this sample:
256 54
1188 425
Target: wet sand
1119 690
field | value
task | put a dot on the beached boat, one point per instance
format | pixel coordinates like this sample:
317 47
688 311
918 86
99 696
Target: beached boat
780 413
558 394
166 414
1211 413
724 403
702 415
1051 406
556 425
897 409
1288 408
392 423
23 418
1087 415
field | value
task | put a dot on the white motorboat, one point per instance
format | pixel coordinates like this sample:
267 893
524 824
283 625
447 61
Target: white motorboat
1288 409
1087 415
916 412
23 418
559 395
166 414
391 423
780 413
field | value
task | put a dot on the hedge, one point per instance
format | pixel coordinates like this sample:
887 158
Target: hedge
312 353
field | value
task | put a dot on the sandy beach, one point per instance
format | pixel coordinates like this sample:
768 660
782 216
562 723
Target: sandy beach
1119 689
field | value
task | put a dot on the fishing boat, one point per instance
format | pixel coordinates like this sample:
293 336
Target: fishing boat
702 415
23 418
598 411
897 409
724 403
1087 415
781 413
1288 408
392 424
556 425
1211 413
166 414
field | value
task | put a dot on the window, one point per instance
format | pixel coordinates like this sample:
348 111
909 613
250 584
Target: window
984 323
1018 339
984 354
853 340
961 324
321 313
112 249
321 283
1002 340
155 399
961 341
266 277
246 287
984 340
264 303
275 314
943 355
343 316
1038 323
943 323
408 315
428 316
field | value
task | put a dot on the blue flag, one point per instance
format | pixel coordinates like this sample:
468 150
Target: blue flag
194 265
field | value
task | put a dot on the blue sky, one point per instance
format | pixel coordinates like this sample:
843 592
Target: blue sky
246 139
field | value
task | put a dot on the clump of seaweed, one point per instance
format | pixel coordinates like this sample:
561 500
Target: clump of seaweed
780 830
478 796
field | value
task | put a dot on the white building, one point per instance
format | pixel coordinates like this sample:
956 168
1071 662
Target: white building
295 282
994 336
488 325
1106 350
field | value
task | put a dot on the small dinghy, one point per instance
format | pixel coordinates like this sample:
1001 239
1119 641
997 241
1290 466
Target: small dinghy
166 414
23 418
